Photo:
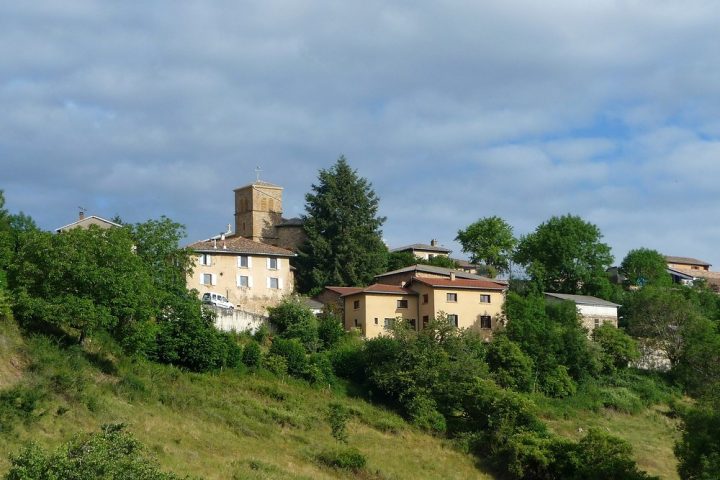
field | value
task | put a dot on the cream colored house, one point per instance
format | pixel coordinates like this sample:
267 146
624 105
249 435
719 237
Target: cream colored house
593 311
86 221
252 275
468 303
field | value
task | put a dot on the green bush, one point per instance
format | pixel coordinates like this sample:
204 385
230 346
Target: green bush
293 352
423 413
347 458
621 399
348 360
19 403
618 348
509 366
319 369
252 356
112 453
338 416
330 330
698 450
275 364
557 383
294 320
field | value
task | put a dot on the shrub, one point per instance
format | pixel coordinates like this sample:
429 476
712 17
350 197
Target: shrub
338 415
599 456
294 354
698 450
112 453
348 360
621 399
275 364
252 355
618 348
557 383
262 334
423 413
347 458
330 330
294 320
319 370
18 403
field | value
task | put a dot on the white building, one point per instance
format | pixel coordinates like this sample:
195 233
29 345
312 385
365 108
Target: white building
594 311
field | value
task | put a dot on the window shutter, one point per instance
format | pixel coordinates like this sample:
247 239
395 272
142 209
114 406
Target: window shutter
280 282
268 282
249 261
213 279
278 264
267 264
249 281
237 280
239 261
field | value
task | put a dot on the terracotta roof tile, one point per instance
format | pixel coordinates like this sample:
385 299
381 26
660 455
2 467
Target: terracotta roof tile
237 244
382 288
344 290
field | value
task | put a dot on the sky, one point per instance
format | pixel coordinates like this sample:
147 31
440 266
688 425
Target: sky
454 110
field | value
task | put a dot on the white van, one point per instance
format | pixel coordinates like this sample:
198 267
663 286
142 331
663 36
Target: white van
218 300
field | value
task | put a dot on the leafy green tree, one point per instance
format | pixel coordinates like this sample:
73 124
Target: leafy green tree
112 453
490 241
293 319
344 239
698 450
644 266
566 255
330 330
618 348
252 355
509 366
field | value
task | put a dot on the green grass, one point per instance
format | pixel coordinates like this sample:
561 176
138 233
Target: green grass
228 425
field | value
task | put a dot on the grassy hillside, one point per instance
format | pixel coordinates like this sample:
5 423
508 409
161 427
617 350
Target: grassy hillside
250 426
226 425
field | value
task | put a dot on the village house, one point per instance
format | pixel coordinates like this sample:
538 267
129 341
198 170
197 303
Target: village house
424 251
251 275
474 303
593 311
84 221
687 270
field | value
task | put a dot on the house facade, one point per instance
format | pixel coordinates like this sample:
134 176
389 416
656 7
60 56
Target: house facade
467 303
424 251
84 221
593 311
252 275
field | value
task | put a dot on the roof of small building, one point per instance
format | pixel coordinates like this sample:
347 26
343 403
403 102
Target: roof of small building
582 299
383 289
686 261
238 244
291 222
343 290
423 247
311 303
80 221
438 271
462 283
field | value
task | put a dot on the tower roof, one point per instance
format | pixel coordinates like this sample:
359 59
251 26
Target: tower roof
259 183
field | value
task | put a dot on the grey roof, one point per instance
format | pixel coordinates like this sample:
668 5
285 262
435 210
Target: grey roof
582 299
423 247
291 222
312 303
439 271
682 274
686 260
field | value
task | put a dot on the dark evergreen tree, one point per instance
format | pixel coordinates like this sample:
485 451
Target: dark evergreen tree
344 244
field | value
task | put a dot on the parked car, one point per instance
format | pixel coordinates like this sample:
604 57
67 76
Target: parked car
217 300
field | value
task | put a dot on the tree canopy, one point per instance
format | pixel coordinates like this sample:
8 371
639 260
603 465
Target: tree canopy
490 241
644 266
344 239
566 255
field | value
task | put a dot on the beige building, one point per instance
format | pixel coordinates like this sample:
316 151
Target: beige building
252 275
686 263
86 221
593 311
468 303
258 216
396 277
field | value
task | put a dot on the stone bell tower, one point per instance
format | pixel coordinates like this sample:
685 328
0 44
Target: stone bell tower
258 209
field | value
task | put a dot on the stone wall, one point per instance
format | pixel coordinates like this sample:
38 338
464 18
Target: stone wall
237 320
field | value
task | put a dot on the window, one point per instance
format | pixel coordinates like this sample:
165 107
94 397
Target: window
485 321
272 263
389 322
452 297
453 320
484 298
402 304
413 323
425 298
376 321
244 261
356 304
243 281
597 323
273 282
357 323
205 259
426 321
207 279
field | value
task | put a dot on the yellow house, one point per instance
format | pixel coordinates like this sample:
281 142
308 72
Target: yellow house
84 221
467 303
252 275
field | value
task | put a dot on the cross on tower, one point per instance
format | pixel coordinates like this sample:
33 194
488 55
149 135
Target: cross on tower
257 173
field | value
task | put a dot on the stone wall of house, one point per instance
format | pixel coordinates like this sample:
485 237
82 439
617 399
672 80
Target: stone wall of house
290 237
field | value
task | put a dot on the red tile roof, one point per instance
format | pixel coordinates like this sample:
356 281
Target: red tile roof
237 244
459 283
344 290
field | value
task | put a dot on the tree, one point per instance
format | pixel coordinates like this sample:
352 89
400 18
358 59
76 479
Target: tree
618 348
643 266
344 241
698 451
490 241
565 255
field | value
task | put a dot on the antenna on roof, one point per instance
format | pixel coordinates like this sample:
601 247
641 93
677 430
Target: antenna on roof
257 173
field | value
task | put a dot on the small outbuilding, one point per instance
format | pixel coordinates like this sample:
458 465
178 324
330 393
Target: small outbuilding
593 311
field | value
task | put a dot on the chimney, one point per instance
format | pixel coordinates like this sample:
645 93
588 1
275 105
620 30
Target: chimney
222 236
433 242
81 215
452 276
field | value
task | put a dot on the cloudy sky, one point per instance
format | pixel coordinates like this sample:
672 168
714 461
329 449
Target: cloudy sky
454 110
